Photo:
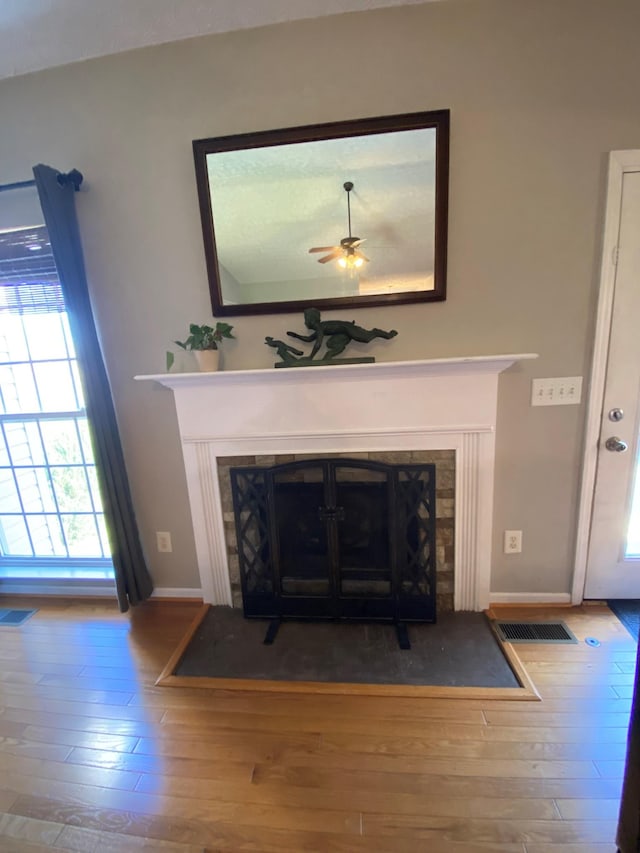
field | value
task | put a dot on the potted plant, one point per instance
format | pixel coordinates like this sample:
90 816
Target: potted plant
203 341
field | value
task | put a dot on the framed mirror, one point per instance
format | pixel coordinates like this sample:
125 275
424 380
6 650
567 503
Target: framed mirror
348 214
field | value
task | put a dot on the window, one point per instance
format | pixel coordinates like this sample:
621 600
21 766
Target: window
51 519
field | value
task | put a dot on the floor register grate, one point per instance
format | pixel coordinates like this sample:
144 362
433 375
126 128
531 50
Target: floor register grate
12 618
534 632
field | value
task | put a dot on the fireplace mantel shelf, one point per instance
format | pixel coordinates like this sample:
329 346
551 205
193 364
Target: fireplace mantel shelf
434 404
464 365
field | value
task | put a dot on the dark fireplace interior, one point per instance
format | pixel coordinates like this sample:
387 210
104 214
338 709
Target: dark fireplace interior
337 538
307 551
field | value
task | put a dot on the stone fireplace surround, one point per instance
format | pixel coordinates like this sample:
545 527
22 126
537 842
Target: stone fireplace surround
438 404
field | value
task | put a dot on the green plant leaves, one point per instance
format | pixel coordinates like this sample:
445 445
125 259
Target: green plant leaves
202 338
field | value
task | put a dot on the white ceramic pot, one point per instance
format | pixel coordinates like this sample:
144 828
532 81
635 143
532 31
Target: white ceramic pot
208 359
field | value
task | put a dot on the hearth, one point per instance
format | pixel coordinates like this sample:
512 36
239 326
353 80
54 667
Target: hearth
340 538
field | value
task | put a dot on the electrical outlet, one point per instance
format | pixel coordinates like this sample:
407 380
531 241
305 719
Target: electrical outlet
163 540
513 541
558 391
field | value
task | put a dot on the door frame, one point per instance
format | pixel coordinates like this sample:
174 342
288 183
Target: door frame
620 163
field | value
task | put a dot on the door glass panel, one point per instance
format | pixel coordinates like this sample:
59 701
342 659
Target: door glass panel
633 531
362 504
303 547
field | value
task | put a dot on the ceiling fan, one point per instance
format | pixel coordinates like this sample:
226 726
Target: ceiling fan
348 253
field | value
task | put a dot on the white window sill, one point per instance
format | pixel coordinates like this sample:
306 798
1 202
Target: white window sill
60 572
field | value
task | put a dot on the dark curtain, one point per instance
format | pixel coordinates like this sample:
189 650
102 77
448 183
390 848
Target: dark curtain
56 192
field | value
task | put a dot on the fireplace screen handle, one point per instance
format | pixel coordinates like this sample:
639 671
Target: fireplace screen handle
331 513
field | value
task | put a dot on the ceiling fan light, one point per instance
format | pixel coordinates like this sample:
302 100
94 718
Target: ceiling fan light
350 261
345 254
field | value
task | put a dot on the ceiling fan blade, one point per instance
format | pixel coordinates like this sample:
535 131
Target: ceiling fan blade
358 242
364 257
324 248
330 257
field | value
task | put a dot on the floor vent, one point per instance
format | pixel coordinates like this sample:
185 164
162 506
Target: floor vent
11 618
534 632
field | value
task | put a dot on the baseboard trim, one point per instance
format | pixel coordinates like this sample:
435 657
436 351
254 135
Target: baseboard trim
530 598
177 592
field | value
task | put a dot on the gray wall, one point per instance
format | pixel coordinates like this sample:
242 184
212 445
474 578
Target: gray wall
539 92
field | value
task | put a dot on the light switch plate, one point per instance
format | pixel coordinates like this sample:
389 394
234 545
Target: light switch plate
558 391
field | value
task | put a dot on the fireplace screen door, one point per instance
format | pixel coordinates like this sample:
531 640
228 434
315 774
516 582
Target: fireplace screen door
336 539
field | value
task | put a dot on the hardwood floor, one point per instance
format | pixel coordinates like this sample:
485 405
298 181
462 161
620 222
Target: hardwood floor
94 757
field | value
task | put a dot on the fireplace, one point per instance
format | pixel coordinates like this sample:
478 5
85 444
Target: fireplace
433 405
443 461
337 538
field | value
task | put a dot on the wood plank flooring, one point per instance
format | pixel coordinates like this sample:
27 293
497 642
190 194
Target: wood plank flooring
95 757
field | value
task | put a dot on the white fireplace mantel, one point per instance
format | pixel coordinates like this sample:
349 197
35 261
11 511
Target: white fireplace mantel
437 404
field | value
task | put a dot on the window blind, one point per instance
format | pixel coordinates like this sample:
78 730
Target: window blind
29 282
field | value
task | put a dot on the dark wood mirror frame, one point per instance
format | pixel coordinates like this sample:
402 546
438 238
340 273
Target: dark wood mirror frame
436 120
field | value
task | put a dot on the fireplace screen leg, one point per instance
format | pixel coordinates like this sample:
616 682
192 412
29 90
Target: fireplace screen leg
403 635
272 630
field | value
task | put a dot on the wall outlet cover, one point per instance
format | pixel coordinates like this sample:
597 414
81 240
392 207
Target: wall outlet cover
163 541
513 541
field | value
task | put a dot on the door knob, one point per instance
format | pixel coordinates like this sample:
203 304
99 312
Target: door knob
615 444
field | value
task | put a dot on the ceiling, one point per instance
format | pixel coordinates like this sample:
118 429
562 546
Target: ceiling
39 34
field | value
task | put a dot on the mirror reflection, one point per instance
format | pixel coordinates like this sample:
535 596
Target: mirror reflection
331 215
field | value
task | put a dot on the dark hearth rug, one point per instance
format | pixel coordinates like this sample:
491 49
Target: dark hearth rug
460 650
628 612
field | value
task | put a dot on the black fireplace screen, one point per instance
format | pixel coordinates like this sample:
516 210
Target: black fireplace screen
338 539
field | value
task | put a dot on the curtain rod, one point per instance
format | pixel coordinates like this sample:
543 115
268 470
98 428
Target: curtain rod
74 177
18 185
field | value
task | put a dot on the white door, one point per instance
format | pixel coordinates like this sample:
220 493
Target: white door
613 563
